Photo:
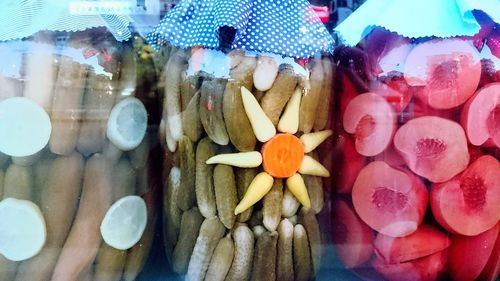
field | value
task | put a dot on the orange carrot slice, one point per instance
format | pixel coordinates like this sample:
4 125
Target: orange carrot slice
282 155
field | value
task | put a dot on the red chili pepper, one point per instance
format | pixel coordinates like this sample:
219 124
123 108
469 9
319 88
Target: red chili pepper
106 55
209 104
89 53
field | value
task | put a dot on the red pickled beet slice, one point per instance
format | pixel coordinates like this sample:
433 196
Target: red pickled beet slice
468 255
481 116
425 241
424 269
433 147
390 201
352 238
351 162
394 89
448 69
372 122
469 203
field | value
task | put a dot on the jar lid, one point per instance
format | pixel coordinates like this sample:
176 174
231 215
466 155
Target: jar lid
417 18
284 27
20 19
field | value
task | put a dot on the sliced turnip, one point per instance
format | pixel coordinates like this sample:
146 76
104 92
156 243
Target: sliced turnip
433 147
448 69
481 116
372 122
425 241
391 201
469 203
352 238
468 255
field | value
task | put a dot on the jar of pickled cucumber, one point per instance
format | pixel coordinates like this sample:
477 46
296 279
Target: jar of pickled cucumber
246 185
418 184
78 197
249 137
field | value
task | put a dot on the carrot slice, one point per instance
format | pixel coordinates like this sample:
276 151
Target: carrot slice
282 155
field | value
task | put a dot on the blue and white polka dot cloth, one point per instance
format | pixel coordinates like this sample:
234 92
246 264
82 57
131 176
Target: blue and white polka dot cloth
284 27
24 18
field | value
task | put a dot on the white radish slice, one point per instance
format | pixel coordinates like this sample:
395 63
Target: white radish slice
312 140
249 159
25 127
289 122
265 73
262 126
22 229
127 124
124 222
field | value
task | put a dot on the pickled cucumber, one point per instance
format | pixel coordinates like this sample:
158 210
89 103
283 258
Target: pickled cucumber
212 93
284 261
275 99
264 264
244 176
186 195
243 254
324 105
272 206
190 226
225 194
191 122
221 260
171 212
238 126
301 254
310 223
311 99
211 231
172 100
205 194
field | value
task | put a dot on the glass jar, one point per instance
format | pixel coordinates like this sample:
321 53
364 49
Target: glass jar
418 181
249 141
76 178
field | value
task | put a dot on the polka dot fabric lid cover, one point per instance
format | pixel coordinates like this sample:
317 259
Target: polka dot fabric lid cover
23 18
285 27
